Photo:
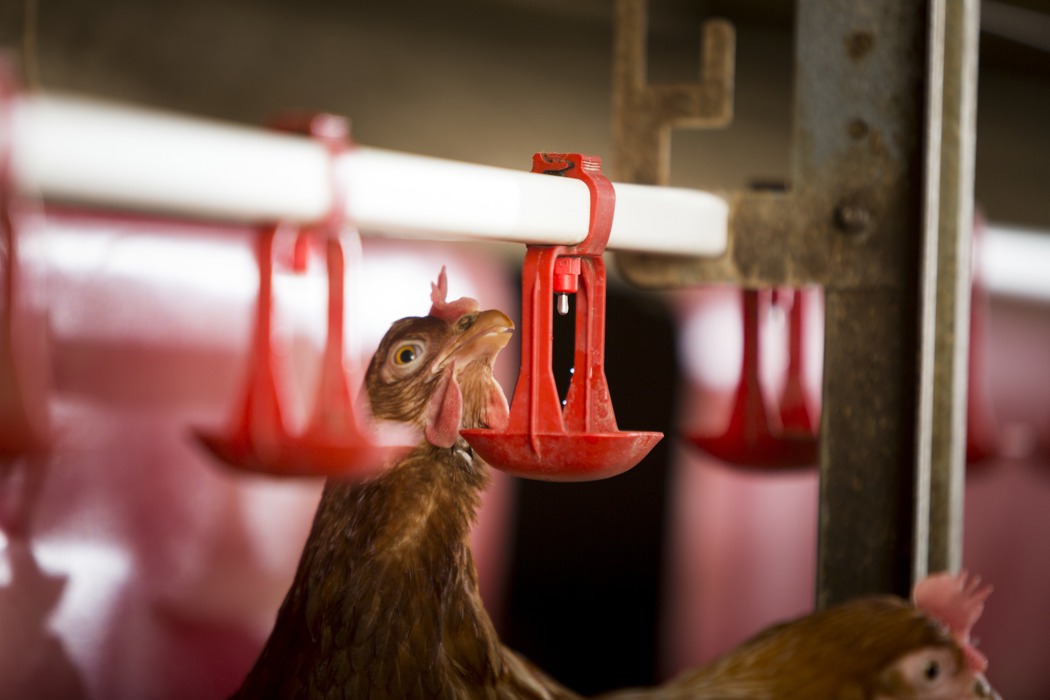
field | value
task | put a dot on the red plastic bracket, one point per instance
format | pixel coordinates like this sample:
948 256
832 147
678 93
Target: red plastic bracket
984 441
542 440
797 417
336 441
750 438
25 365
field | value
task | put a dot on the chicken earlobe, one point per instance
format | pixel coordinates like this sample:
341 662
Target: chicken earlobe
445 410
444 415
497 410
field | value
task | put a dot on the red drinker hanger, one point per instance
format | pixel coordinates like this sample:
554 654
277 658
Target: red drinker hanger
336 441
749 439
543 440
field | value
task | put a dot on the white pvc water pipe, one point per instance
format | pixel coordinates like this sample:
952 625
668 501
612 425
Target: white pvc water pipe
79 150
1014 262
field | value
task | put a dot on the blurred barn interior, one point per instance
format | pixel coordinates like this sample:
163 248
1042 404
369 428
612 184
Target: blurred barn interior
151 571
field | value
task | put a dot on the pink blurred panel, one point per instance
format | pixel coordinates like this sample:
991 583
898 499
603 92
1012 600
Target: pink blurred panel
152 571
743 544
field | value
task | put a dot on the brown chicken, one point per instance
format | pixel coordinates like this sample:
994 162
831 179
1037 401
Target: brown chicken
878 648
385 601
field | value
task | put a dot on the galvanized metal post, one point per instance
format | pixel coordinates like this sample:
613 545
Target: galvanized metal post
874 487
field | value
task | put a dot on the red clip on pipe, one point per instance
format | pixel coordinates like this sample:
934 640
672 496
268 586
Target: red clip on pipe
335 441
541 440
25 363
797 417
749 440
983 435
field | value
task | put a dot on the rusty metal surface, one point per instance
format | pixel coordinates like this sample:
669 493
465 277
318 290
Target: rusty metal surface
866 512
643 115
862 117
861 219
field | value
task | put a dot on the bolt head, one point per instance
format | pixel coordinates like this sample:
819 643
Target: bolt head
853 219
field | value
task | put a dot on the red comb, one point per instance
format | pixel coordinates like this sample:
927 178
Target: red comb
449 311
957 602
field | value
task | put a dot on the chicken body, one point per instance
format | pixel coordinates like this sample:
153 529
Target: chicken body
385 601
878 648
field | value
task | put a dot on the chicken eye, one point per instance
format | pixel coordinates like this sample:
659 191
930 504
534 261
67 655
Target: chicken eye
407 354
932 670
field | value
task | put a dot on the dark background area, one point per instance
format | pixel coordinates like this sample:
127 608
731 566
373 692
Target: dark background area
587 558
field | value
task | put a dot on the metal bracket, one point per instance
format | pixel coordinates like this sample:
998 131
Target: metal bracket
643 115
854 153
881 190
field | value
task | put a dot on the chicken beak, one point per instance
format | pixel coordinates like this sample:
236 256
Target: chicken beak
489 334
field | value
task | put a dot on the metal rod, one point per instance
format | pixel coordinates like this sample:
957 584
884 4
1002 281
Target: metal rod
930 294
83 151
951 342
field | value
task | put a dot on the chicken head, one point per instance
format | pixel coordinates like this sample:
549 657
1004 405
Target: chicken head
425 366
933 673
